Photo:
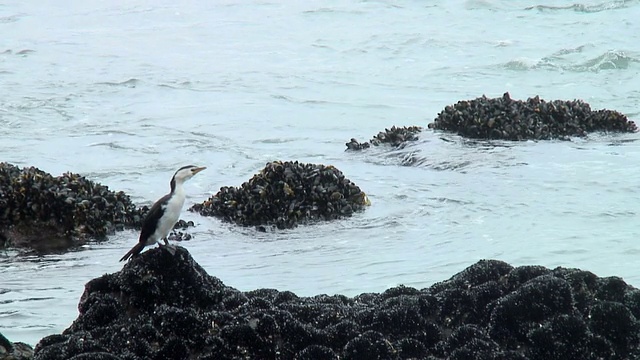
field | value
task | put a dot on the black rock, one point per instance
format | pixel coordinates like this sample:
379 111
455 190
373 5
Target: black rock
508 119
163 306
396 137
355 145
14 351
286 194
177 235
43 212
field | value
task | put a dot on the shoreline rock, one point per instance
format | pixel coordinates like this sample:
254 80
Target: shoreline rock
161 306
533 119
396 137
14 351
45 212
284 195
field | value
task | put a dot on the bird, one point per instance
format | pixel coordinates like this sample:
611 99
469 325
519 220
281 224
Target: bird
164 213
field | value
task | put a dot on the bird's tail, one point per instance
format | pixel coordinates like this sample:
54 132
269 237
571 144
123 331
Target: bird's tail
133 252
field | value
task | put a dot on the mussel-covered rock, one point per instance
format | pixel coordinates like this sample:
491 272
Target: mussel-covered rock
163 306
177 235
286 194
395 137
14 351
39 210
508 119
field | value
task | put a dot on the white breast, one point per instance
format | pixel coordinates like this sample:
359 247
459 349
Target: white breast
170 216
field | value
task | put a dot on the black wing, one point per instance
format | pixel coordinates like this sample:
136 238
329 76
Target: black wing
151 219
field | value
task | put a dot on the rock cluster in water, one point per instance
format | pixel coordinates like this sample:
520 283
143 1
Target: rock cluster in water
177 234
504 118
14 351
396 137
163 306
285 194
38 209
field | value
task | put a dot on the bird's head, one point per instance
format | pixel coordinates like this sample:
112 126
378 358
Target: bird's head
185 173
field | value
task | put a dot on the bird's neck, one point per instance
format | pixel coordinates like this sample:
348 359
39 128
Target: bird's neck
177 188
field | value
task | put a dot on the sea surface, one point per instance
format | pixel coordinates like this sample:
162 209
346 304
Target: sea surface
126 92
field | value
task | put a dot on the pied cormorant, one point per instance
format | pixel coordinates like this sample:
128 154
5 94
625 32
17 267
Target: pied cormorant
164 214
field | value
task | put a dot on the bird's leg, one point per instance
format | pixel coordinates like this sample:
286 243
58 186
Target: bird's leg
170 248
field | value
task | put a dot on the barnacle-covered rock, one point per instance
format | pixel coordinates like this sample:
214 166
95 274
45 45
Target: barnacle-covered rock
41 211
14 351
178 235
395 137
286 194
537 119
163 306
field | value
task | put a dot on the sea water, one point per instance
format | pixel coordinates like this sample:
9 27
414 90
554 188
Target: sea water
124 93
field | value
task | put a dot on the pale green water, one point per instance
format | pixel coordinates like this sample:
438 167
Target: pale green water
124 94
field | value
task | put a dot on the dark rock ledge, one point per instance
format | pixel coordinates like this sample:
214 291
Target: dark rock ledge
396 137
286 194
14 351
504 118
43 212
532 119
161 306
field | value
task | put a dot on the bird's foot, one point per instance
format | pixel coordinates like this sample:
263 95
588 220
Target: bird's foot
169 248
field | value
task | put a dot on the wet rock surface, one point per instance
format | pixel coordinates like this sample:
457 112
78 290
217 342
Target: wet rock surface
14 351
161 306
537 119
395 137
41 210
286 194
177 234
45 212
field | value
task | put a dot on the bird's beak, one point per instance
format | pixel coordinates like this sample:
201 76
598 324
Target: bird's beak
198 169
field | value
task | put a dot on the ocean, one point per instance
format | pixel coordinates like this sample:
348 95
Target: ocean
125 93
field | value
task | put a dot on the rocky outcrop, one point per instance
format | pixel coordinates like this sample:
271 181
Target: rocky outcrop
396 137
163 306
42 211
14 351
45 212
286 194
177 234
508 119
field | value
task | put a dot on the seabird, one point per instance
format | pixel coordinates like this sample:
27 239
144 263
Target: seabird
164 214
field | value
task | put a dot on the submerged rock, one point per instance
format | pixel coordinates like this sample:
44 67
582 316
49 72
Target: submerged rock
14 351
504 118
395 137
286 194
39 210
161 306
177 235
